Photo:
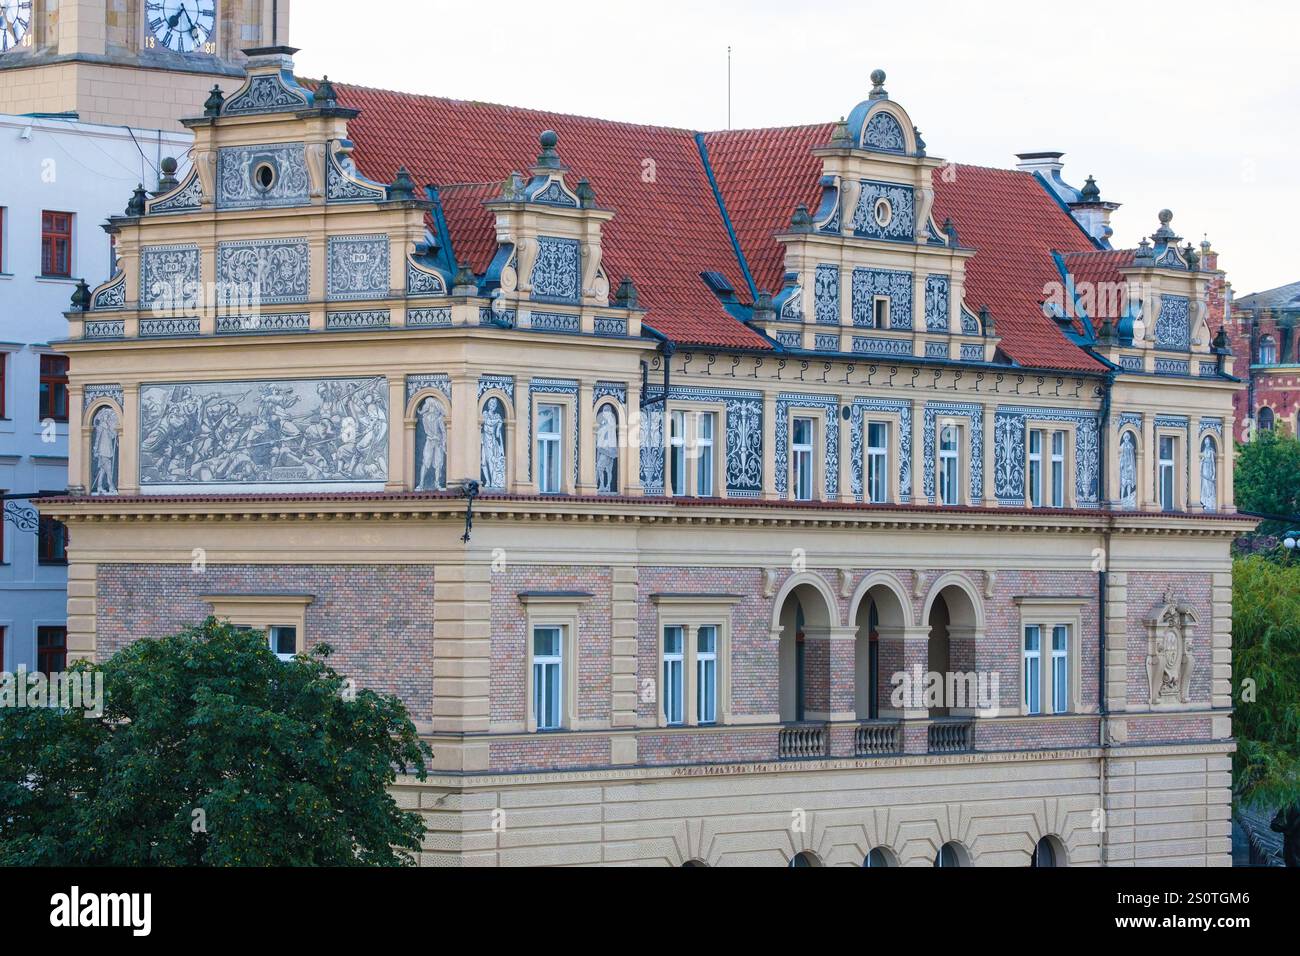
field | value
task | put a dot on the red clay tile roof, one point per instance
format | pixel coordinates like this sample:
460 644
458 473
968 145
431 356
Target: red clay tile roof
1100 269
666 232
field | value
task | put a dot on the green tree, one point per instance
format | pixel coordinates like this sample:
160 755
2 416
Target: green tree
211 751
1266 682
1267 478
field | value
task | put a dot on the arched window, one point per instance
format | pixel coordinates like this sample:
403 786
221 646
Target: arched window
950 854
1048 852
880 857
1264 419
806 858
694 863
1267 351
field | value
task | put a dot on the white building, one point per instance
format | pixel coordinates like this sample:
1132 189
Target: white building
59 180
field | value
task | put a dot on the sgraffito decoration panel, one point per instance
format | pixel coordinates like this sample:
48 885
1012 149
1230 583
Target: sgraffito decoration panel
265 270
264 432
743 427
936 303
238 188
356 267
556 273
898 225
869 283
974 464
860 412
168 275
1009 459
884 133
826 294
830 407
1173 323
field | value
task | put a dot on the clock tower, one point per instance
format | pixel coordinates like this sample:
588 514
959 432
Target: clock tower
141 63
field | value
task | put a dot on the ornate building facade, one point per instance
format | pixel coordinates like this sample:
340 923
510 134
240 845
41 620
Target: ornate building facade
658 472
1264 332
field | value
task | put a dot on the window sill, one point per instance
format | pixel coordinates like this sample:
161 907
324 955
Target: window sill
54 278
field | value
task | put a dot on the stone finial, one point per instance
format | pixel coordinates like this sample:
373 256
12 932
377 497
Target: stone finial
1144 252
920 142
586 195
403 186
167 181
1106 334
512 189
548 158
1090 192
1165 234
878 85
626 297
135 207
325 97
801 221
1192 256
81 296
216 99
763 308
840 134
950 230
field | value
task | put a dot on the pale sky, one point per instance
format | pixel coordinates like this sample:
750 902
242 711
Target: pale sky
1187 105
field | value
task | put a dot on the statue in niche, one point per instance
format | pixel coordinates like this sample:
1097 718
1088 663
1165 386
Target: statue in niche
103 451
1169 654
432 475
607 451
492 454
1128 470
1209 475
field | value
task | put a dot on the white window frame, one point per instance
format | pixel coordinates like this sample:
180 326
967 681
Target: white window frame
705 473
672 681
265 612
803 460
677 452
551 665
1034 470
876 468
1059 444
1031 668
1049 614
880 312
705 661
550 450
561 610
946 460
1167 471
1059 669
692 613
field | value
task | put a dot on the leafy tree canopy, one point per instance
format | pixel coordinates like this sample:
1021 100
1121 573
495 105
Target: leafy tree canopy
1267 478
210 751
1266 681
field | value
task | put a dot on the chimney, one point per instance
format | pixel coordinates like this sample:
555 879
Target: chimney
1085 205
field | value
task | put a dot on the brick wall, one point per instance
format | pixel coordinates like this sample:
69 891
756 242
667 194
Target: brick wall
1146 592
378 618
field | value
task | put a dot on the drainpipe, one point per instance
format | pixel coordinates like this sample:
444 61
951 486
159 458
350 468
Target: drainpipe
1102 582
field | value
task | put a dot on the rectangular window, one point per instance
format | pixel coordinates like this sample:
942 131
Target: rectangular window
550 448
51 649
949 465
548 658
801 458
674 689
1167 473
1058 469
51 542
704 449
706 674
1035 476
1060 668
283 640
880 312
54 388
1033 664
877 462
4 381
56 244
677 453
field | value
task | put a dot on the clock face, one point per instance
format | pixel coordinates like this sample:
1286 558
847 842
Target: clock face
15 24
182 26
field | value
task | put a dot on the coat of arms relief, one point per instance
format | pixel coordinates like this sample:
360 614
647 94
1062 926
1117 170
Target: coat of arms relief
1169 653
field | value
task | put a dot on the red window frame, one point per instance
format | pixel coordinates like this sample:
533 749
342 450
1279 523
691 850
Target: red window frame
56 244
51 649
54 388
